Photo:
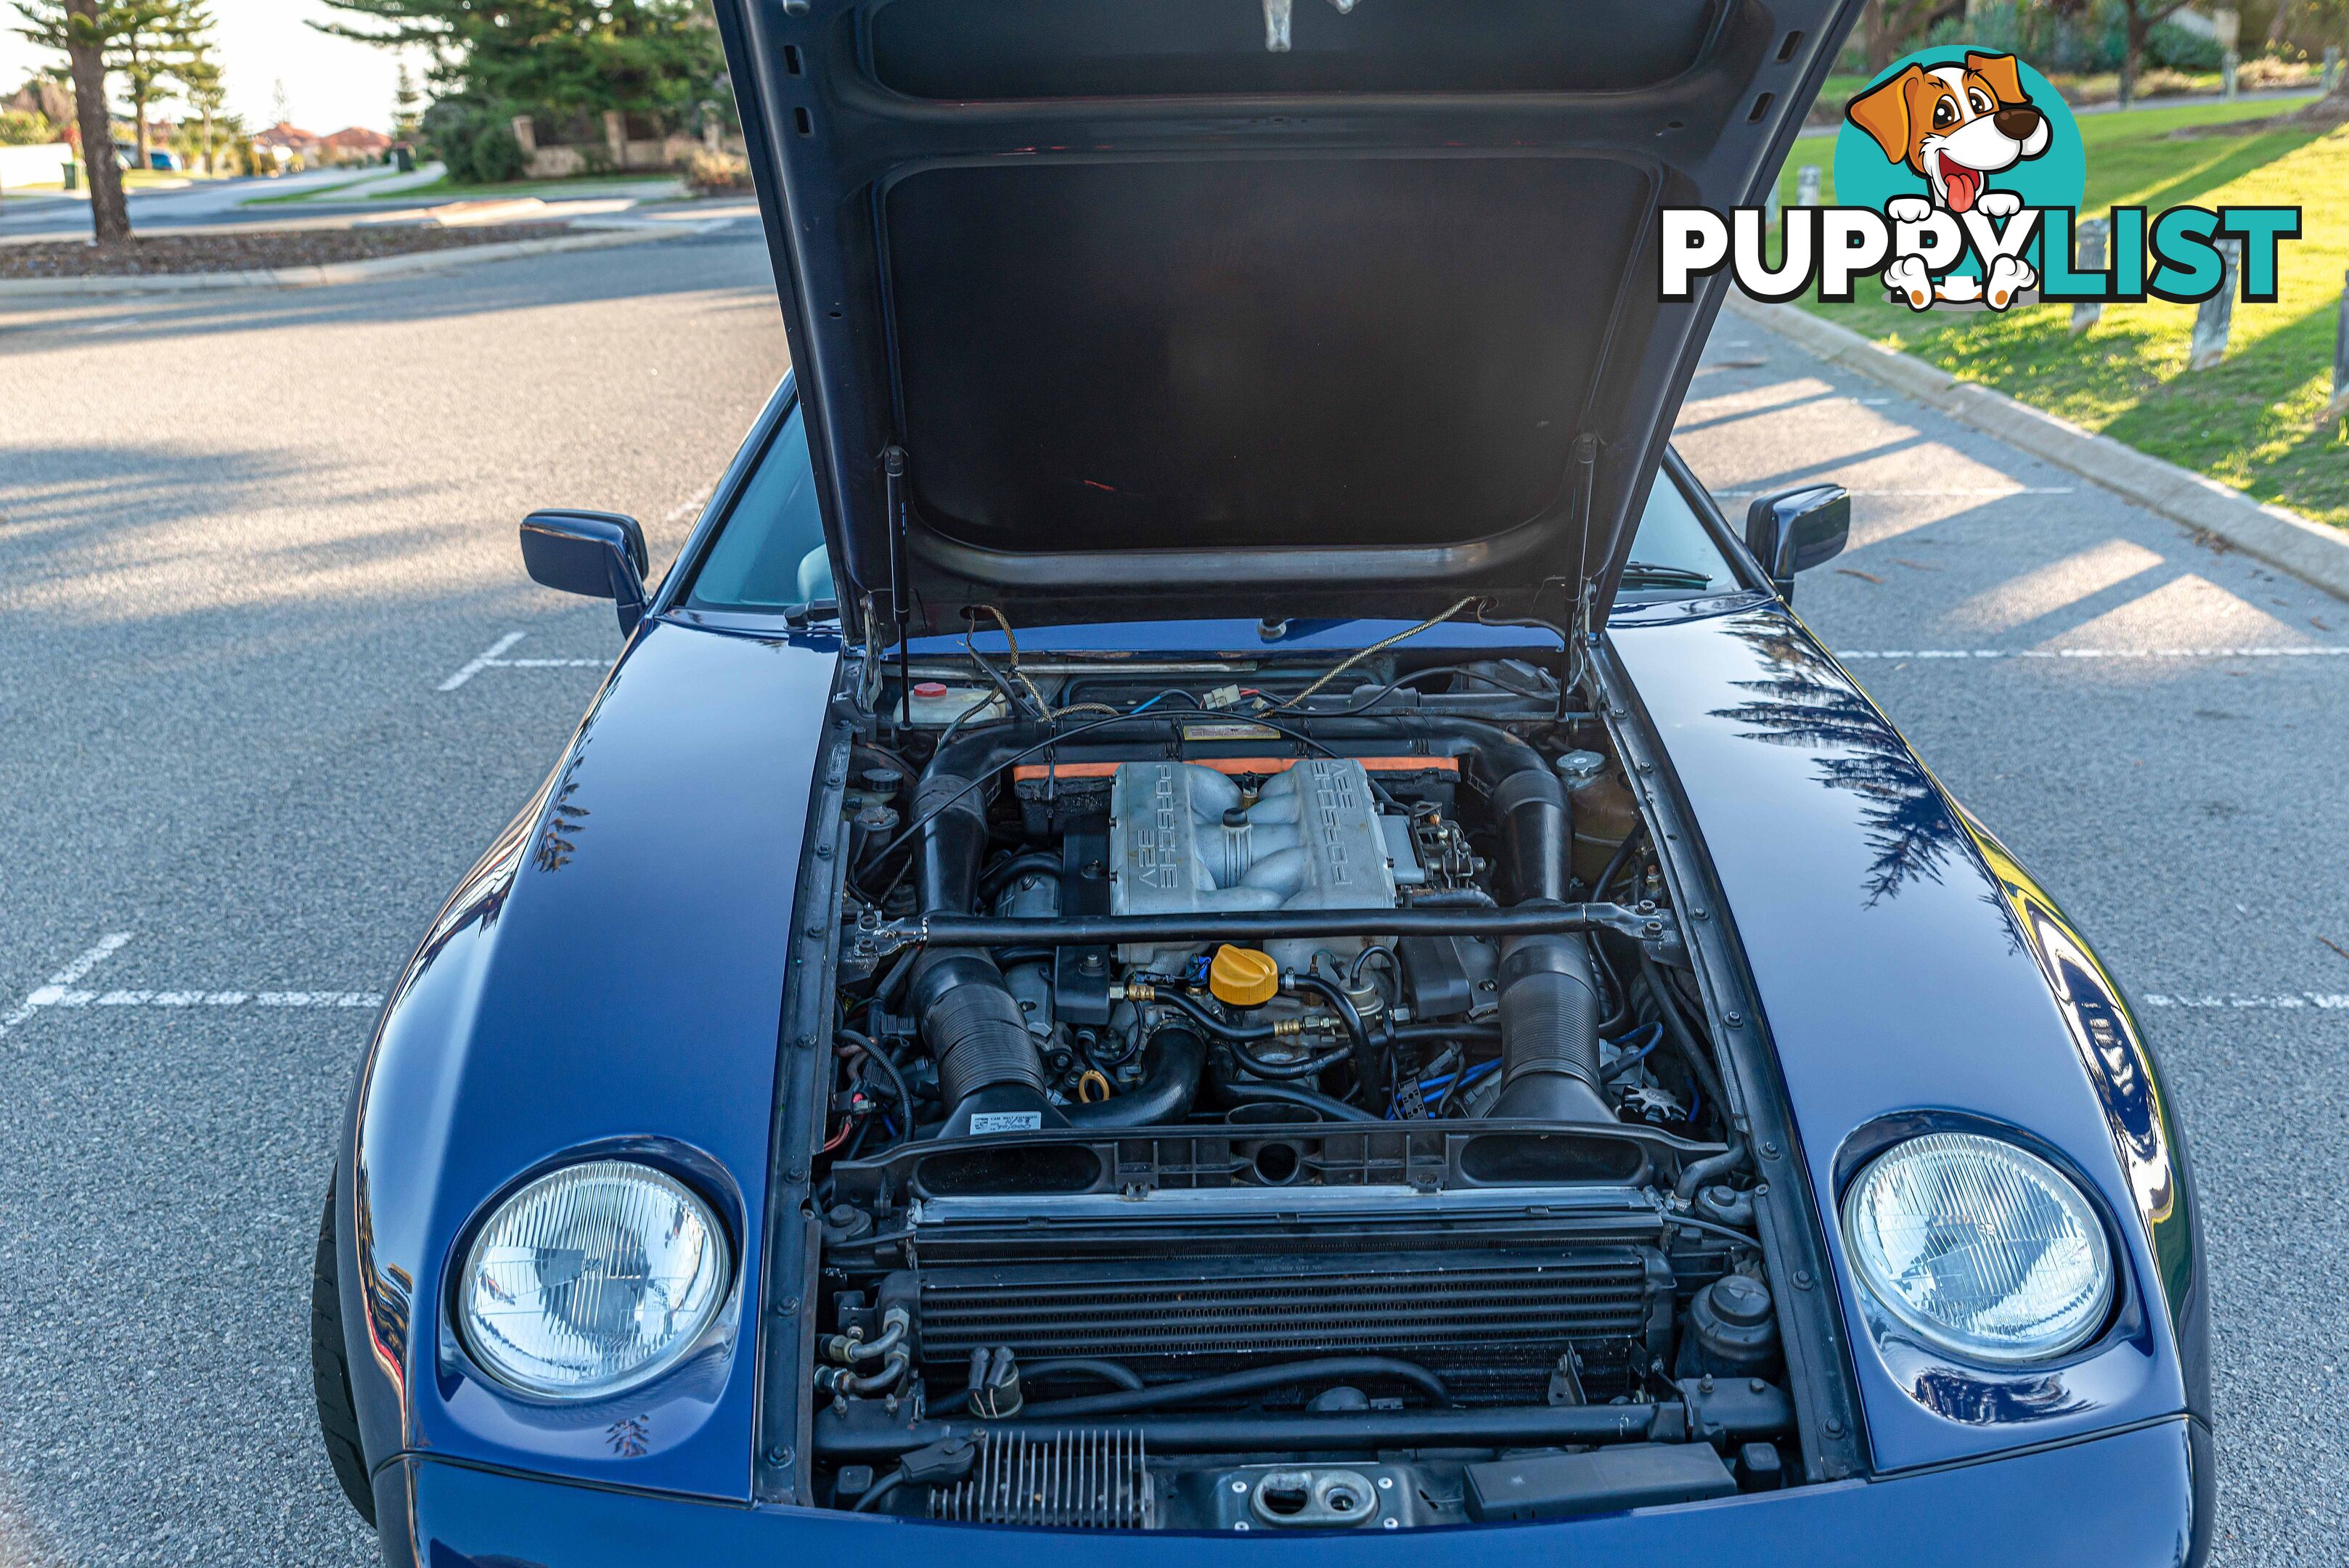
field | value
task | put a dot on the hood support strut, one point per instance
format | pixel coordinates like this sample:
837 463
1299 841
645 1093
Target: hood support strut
900 609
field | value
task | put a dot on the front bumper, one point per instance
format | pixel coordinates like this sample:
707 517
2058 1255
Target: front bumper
2132 1500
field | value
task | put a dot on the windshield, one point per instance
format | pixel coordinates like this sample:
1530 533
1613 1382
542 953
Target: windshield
1672 553
771 553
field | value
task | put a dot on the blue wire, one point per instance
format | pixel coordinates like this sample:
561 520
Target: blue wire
1170 691
1656 1037
1642 1053
1428 1085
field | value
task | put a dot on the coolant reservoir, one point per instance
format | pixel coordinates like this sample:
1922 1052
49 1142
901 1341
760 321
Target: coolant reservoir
1603 809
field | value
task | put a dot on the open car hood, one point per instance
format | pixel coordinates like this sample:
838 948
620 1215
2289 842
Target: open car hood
1162 321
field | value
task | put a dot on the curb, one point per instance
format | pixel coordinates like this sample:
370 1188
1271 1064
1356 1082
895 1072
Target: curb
2281 537
328 273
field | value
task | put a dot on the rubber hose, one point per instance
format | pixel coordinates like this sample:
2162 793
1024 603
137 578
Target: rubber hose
1235 1092
1676 1029
1291 1071
1548 997
1250 1380
1693 1176
973 1025
1087 1366
952 843
977 1033
1454 899
1198 1015
1176 1057
1535 833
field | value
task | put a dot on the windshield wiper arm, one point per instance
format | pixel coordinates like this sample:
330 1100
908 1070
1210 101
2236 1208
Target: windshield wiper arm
1645 575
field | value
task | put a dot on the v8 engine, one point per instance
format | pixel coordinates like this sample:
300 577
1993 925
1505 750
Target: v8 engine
1185 837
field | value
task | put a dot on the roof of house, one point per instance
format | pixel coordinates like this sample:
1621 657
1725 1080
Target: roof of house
357 138
284 133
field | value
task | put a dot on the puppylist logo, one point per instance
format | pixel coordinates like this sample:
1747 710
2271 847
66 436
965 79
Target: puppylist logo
1959 177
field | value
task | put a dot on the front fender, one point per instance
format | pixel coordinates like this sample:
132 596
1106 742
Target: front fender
1910 977
609 978
2126 1074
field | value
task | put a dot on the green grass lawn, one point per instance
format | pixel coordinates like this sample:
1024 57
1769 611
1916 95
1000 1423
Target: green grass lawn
444 187
313 193
2249 421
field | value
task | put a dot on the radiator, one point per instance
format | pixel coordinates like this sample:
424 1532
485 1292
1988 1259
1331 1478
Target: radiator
1494 1323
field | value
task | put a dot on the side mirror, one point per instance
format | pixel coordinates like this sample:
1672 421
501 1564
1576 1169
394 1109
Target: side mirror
598 553
1795 530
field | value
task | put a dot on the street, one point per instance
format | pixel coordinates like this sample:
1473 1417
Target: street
271 676
53 215
343 199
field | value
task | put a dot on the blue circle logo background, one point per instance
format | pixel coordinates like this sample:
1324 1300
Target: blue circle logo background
2058 177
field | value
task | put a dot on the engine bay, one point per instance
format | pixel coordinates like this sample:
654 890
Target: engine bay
1272 1095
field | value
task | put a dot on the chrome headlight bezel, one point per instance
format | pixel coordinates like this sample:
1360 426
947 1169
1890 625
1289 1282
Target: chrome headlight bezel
2085 1239
702 1303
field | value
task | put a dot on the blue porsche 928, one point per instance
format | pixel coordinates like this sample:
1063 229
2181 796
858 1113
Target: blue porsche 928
1214 905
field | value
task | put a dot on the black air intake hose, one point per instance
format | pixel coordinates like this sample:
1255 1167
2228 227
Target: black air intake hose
954 842
990 1074
976 1030
1531 806
1549 1032
1548 1002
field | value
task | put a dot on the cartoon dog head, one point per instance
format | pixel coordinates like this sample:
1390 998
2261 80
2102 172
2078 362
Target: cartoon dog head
1954 125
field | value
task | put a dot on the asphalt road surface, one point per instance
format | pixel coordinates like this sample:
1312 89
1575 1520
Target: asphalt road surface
249 542
202 203
206 204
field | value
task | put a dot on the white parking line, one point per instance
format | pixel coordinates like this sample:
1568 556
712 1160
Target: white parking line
48 994
237 999
2319 650
1979 492
64 989
2286 1001
494 658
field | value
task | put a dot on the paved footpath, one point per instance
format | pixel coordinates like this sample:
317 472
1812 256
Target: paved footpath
271 675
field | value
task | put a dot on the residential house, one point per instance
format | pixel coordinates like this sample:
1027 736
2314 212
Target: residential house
285 142
354 144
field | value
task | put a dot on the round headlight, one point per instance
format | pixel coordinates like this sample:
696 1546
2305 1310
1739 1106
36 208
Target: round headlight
592 1279
1981 1248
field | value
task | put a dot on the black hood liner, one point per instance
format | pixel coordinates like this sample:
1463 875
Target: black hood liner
1391 351
1167 324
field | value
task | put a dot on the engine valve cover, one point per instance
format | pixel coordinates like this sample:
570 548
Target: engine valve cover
1181 842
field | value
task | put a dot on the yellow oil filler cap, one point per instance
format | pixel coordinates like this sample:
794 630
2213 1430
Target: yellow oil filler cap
1243 977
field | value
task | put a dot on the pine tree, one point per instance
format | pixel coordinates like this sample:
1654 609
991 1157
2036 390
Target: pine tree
157 37
200 81
407 106
559 60
89 34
